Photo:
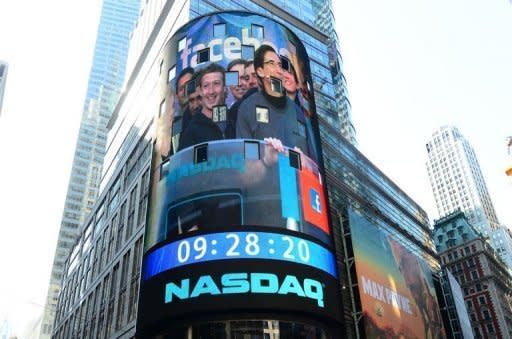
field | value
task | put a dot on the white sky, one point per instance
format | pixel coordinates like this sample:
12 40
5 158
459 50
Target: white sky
49 47
411 66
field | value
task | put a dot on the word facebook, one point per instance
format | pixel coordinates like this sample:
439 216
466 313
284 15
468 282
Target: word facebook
230 48
232 283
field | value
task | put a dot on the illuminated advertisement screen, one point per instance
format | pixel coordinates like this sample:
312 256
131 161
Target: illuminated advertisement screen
397 293
238 217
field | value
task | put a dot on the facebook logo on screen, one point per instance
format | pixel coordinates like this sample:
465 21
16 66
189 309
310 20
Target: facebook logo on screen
314 198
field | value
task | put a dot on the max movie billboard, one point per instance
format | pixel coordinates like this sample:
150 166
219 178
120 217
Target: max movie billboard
396 288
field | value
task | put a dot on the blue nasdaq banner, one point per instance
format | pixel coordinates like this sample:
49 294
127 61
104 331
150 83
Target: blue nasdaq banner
238 245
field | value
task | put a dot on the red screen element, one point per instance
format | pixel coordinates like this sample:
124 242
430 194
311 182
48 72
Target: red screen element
313 200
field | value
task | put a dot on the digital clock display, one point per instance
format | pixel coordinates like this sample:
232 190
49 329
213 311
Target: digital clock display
238 245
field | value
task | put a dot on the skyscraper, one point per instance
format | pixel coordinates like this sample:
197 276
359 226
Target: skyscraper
106 259
105 82
457 181
484 278
3 79
99 297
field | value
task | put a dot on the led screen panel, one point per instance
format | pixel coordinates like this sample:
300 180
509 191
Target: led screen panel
238 216
397 293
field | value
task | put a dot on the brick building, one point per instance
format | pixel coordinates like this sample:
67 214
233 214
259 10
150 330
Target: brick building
482 275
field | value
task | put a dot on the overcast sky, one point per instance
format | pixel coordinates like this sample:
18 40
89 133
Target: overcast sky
411 66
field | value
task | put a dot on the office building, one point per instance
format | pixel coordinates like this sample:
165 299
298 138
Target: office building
103 273
457 181
501 241
484 278
3 80
105 83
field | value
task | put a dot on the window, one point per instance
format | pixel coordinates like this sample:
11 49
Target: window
486 314
143 198
247 52
276 85
252 150
182 44
285 63
219 113
134 285
190 87
171 74
219 30
294 159
203 55
231 78
161 110
481 300
131 213
201 154
262 114
122 291
257 31
474 274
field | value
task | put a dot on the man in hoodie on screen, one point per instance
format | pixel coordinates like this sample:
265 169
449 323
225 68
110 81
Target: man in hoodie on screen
204 124
269 113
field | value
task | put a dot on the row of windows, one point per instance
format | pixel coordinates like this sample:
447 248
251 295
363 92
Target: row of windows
459 253
122 223
110 305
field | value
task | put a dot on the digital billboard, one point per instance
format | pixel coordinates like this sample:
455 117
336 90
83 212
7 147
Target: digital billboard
238 217
397 292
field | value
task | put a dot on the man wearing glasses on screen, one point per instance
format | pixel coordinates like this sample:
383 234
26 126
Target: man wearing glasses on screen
269 114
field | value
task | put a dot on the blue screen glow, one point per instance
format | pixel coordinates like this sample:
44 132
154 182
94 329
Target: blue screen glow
238 245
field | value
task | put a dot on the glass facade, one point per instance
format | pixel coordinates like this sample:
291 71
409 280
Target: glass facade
313 22
107 263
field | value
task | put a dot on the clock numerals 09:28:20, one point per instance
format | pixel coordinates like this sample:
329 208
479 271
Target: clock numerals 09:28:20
243 245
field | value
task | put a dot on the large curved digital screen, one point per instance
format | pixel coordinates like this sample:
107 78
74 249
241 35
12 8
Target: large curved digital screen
238 217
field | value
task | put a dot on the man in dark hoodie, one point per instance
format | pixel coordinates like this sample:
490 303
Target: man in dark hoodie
202 128
269 113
